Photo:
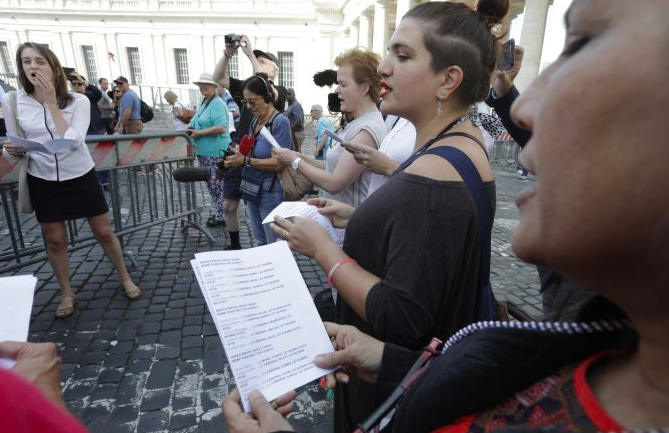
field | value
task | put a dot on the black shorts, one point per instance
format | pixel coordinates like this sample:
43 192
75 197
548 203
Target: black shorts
232 180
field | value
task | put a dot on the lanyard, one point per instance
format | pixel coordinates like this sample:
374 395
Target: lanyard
439 136
371 424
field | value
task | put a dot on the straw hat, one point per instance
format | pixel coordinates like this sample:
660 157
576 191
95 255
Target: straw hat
205 78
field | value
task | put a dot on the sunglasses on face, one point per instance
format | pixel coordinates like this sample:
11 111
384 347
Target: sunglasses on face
77 84
251 101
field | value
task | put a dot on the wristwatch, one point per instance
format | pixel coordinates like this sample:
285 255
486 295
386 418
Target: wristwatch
296 163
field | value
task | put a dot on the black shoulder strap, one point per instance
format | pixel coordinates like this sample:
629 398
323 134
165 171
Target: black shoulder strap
485 300
269 124
415 156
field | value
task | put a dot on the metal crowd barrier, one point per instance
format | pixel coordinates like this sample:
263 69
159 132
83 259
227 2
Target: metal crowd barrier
141 194
504 151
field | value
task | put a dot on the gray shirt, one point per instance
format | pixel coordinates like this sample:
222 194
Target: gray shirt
356 192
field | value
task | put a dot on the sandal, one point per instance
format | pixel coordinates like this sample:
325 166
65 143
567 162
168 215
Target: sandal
130 289
65 309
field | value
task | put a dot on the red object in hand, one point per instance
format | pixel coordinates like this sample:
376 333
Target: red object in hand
246 144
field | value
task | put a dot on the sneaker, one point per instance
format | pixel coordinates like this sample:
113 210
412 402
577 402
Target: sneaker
523 177
231 248
519 170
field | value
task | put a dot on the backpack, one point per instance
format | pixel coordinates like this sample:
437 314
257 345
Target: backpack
145 112
295 185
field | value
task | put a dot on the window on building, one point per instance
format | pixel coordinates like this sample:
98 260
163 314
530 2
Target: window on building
181 62
89 61
286 68
233 66
6 58
134 65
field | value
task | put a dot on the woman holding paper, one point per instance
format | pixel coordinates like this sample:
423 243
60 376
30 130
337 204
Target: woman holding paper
62 185
413 264
358 88
261 189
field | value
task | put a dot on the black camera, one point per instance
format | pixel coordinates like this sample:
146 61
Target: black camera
334 103
232 38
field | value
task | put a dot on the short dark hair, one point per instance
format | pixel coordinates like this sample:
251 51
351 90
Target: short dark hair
62 94
260 85
101 79
457 35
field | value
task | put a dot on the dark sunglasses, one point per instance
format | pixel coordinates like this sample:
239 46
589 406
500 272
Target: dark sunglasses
77 84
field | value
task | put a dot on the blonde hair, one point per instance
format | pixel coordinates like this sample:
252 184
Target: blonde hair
364 64
170 94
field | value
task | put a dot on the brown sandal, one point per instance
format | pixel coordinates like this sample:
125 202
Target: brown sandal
64 311
130 289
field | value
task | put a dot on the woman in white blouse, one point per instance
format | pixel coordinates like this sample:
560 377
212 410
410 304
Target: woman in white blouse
62 185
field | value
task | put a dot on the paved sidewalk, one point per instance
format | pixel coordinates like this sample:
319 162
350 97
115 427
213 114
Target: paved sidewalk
157 363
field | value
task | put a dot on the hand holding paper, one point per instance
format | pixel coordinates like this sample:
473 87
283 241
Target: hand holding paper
265 317
290 209
49 146
17 302
265 133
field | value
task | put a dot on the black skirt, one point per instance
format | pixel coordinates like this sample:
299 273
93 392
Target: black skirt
81 197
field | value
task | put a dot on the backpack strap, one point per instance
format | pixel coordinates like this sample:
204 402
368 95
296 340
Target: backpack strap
270 126
485 299
13 103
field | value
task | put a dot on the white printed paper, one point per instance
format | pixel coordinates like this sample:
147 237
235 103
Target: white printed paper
265 318
50 146
17 295
302 209
268 136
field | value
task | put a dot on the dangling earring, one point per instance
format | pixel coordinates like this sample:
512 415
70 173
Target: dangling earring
439 108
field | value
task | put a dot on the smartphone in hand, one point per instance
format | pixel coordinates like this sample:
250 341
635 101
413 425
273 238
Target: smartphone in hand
508 55
334 136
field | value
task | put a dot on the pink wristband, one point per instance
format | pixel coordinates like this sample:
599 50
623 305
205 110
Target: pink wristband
336 266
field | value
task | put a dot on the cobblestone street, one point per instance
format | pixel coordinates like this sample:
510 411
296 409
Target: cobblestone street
157 364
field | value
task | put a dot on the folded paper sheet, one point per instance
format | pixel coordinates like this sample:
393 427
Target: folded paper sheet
17 302
265 318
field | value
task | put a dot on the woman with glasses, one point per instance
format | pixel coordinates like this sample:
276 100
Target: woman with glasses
261 188
81 85
209 130
62 185
116 96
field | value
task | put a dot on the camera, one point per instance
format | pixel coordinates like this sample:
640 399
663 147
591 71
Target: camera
232 38
334 103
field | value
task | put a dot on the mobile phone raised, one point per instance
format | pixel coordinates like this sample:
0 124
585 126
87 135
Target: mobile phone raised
507 59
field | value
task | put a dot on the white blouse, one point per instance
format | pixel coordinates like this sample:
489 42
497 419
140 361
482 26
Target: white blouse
35 120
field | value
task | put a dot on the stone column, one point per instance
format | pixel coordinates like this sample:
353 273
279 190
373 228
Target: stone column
380 25
532 40
402 7
363 32
353 34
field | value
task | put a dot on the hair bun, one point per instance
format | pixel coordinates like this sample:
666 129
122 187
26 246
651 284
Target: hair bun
492 11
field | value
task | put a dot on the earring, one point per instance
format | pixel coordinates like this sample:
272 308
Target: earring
439 108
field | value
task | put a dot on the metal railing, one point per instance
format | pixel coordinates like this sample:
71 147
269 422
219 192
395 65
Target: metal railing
141 194
504 151
153 95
